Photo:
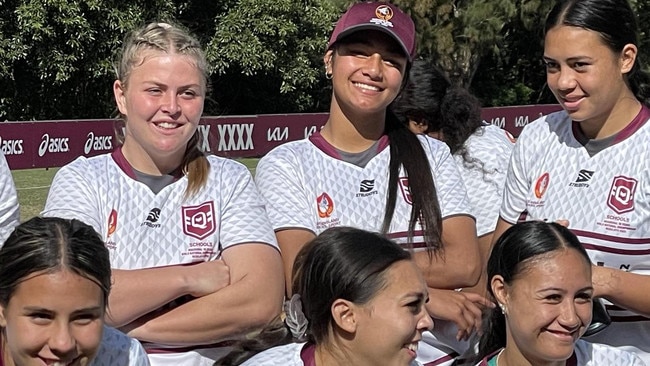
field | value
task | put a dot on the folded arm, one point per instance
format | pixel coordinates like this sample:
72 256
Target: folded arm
253 298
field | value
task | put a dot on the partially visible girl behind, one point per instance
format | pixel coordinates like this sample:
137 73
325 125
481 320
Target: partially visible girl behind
589 163
540 275
431 105
358 300
195 262
55 277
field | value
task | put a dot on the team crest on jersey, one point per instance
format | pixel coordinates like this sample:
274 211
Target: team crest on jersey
621 194
541 185
198 221
406 189
112 223
325 205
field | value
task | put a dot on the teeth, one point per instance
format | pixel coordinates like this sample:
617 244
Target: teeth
167 125
413 347
367 87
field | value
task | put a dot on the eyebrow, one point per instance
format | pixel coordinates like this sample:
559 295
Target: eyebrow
49 311
564 290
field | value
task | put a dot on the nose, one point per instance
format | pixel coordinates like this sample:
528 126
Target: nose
373 66
566 80
170 104
569 316
425 322
62 341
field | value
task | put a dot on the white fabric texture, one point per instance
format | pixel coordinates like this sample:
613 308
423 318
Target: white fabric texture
9 208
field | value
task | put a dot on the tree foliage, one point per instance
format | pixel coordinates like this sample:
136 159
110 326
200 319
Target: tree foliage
56 56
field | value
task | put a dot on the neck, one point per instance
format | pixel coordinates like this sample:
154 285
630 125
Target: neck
512 357
6 357
353 132
143 162
616 120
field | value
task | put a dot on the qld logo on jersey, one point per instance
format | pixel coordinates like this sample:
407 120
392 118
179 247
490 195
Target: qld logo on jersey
324 205
406 189
198 221
621 194
541 185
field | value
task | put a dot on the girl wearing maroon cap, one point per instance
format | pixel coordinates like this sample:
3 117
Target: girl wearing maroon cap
366 169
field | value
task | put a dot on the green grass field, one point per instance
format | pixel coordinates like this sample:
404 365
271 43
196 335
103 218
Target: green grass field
33 185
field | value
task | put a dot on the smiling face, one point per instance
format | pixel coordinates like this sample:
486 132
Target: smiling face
548 306
162 101
586 76
53 319
367 70
390 325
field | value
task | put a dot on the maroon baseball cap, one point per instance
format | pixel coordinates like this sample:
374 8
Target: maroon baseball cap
381 16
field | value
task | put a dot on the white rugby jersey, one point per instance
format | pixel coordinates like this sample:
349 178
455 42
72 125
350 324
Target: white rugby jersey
589 354
605 197
286 355
117 348
142 229
307 186
9 208
492 146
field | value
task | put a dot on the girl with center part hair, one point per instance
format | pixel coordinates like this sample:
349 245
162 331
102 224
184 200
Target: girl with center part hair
588 164
358 300
195 262
540 275
55 277
365 169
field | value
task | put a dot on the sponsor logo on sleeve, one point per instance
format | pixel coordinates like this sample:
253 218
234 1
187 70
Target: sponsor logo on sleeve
541 185
325 205
111 227
199 221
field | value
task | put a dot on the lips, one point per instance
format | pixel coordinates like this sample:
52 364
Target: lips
571 103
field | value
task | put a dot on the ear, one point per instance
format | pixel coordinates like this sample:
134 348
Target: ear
344 315
499 289
327 60
120 98
3 319
628 57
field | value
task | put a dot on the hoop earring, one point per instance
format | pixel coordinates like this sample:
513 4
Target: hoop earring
328 75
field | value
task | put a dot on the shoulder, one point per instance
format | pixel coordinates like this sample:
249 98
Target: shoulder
434 146
286 355
288 150
553 123
225 166
601 354
85 165
117 348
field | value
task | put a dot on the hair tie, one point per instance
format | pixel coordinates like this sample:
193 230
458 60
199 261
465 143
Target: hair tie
295 318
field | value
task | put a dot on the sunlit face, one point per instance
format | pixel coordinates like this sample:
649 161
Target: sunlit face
367 71
53 319
391 324
585 75
163 102
548 306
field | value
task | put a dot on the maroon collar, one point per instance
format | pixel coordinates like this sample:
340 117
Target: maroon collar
122 163
319 141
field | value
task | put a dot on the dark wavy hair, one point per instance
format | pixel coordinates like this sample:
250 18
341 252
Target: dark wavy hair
616 23
340 263
50 244
514 252
430 98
